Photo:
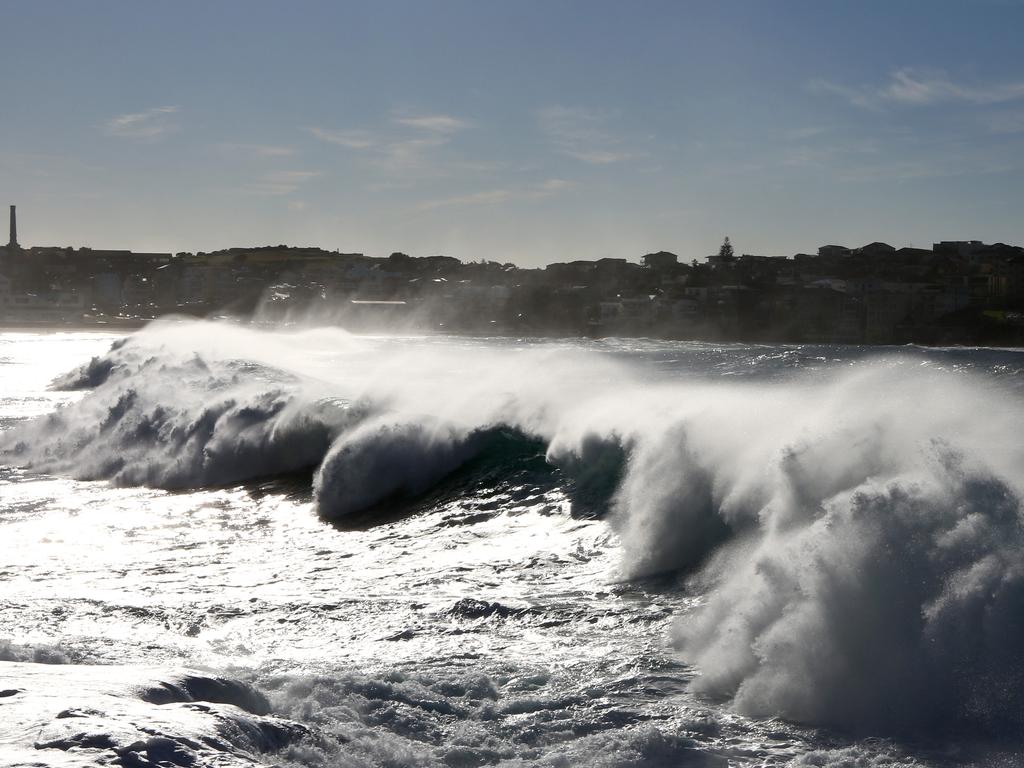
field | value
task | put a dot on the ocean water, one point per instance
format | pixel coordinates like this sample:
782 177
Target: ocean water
224 545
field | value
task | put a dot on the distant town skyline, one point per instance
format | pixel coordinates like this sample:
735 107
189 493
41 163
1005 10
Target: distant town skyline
527 132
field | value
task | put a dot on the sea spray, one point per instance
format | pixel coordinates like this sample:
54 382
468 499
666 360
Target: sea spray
853 533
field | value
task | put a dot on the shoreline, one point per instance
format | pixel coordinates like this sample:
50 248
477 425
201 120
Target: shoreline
127 326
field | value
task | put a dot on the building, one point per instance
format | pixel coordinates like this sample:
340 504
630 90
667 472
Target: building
660 261
833 251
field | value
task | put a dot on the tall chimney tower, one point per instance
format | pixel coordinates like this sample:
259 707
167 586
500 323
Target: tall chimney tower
14 229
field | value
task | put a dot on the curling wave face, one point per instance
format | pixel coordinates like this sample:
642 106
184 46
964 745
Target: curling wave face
853 533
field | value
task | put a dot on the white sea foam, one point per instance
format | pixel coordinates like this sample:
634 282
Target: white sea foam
855 535
80 715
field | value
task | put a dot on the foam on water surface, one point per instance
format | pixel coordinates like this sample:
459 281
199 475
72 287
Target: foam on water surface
469 551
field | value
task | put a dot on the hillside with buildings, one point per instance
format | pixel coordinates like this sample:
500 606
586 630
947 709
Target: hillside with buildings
962 292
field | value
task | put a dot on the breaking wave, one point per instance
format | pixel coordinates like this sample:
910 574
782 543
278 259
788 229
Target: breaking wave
854 537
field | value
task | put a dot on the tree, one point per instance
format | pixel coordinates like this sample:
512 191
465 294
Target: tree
725 252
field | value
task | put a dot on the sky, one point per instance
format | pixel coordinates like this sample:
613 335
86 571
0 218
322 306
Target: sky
524 131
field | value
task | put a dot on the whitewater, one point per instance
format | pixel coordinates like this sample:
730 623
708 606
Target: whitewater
230 545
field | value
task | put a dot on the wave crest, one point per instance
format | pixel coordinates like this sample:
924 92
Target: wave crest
855 538
387 458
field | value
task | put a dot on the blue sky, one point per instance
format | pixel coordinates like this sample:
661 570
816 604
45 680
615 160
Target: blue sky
518 131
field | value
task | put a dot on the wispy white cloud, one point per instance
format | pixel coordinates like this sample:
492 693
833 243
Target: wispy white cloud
347 139
898 159
550 186
408 148
930 168
598 156
910 87
410 154
258 150
147 126
280 182
436 123
475 198
491 196
582 134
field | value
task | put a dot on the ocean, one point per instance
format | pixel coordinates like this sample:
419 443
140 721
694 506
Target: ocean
223 545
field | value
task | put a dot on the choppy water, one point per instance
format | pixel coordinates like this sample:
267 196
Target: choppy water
463 552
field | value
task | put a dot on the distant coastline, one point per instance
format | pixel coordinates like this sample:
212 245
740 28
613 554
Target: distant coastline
955 293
